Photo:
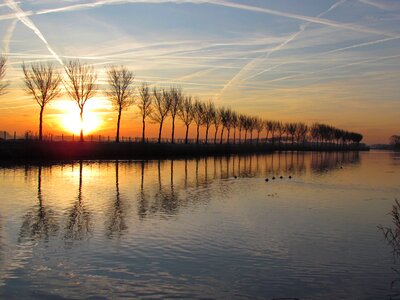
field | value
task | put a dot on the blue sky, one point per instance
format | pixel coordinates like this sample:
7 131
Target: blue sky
328 61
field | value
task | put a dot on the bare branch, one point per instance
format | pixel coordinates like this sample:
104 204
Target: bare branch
120 92
80 84
42 82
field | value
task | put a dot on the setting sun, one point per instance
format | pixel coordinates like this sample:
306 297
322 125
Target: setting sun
70 119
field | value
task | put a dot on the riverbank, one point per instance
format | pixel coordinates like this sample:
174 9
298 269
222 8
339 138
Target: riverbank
50 150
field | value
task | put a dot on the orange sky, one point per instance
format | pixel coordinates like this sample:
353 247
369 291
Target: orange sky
335 62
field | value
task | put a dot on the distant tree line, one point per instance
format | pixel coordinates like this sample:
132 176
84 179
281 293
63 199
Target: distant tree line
44 83
395 141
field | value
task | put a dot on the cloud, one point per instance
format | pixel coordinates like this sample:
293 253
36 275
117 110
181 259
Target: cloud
255 62
8 35
382 4
19 13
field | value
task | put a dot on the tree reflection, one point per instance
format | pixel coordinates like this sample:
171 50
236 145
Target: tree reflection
79 223
116 224
39 222
143 202
323 162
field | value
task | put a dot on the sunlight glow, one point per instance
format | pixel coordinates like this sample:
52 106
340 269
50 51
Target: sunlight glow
70 119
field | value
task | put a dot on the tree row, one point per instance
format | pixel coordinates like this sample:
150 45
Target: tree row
44 84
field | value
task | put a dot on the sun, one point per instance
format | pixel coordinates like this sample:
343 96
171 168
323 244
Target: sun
70 119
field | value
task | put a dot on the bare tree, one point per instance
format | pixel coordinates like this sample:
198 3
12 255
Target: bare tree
198 116
259 126
227 122
242 125
208 116
177 97
3 85
186 114
120 80
161 106
217 123
145 106
235 124
280 128
290 129
224 121
80 85
42 82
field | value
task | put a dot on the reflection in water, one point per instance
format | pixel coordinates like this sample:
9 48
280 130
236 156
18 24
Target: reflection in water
79 221
204 227
39 222
171 193
116 223
322 162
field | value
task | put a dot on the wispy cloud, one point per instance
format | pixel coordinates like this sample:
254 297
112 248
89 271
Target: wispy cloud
8 35
19 13
250 66
382 4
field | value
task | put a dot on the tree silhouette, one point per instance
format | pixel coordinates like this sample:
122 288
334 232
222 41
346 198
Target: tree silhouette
259 124
290 129
120 92
80 85
234 124
395 141
208 116
161 106
186 114
217 123
42 82
177 97
242 125
145 106
3 85
199 109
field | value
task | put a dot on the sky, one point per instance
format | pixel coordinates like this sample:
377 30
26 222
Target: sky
330 61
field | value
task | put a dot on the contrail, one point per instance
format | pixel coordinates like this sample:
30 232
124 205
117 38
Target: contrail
328 52
8 35
316 20
381 5
365 61
249 66
20 14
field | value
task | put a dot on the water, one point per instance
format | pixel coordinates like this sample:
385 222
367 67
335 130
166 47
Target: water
190 229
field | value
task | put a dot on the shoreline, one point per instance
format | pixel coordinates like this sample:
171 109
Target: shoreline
29 150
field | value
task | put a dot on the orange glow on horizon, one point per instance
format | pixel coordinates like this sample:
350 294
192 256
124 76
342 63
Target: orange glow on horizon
70 118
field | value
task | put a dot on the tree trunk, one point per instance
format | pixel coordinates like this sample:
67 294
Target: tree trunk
207 128
229 131
258 137
143 129
187 134
118 125
81 135
215 135
159 133
41 123
198 133
173 130
240 135
222 133
245 136
266 137
234 136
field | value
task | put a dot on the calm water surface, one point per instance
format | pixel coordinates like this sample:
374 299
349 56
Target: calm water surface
189 228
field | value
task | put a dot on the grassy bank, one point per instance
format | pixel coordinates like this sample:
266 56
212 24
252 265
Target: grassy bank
34 150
